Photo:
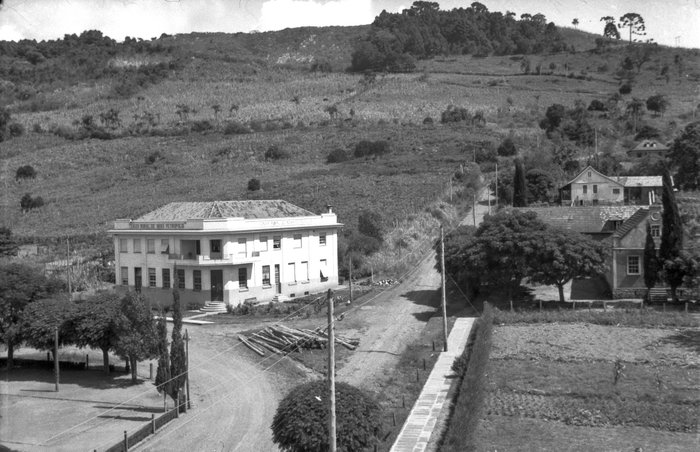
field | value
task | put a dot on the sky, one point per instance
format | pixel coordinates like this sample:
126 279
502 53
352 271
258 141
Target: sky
670 22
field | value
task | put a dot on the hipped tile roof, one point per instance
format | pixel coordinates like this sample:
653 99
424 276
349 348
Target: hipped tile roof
182 211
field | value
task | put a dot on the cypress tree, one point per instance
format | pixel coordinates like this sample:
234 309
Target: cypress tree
178 364
519 186
672 228
163 373
651 262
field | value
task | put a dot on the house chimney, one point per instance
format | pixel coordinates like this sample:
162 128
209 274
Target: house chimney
329 208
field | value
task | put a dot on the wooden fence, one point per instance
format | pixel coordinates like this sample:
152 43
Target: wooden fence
142 433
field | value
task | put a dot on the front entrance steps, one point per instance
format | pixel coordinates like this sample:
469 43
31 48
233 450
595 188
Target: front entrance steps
279 298
214 307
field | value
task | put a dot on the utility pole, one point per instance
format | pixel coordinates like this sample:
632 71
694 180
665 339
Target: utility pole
331 372
496 185
187 369
444 301
350 274
68 269
55 356
474 209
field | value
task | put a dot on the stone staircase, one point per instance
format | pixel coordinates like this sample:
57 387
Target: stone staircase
214 306
279 298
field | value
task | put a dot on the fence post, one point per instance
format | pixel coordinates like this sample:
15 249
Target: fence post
87 361
150 371
153 424
126 442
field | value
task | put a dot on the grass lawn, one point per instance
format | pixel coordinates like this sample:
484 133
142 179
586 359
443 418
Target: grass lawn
554 387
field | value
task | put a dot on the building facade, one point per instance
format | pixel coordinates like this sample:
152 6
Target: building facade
590 188
228 251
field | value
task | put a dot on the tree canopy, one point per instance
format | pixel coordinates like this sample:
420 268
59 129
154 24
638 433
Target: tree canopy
635 23
137 340
685 157
98 323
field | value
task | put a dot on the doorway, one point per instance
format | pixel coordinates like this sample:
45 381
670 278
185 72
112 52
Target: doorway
278 283
217 285
137 279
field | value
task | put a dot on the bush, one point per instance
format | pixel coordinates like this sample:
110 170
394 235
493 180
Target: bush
469 400
254 184
647 132
27 202
626 88
597 105
25 172
201 126
337 156
507 148
275 153
153 157
16 129
367 148
369 223
235 128
301 420
428 120
454 114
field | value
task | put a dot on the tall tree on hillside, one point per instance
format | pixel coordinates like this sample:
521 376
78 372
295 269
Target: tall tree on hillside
671 238
137 341
163 372
178 364
519 185
651 262
20 285
635 109
575 22
685 157
99 324
610 30
635 23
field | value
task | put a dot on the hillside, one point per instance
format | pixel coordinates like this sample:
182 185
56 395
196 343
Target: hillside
200 129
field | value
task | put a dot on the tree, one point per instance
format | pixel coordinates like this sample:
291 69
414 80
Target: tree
671 237
178 361
98 323
539 185
4 123
553 117
657 104
137 340
20 285
300 423
25 172
507 148
369 223
163 372
563 255
519 186
685 157
8 245
610 30
678 270
635 23
42 318
254 184
575 22
635 109
651 262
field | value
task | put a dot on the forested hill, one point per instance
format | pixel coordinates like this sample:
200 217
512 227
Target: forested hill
395 40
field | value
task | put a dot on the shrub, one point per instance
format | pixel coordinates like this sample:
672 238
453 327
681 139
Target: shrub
37 128
16 129
647 132
201 126
275 153
367 148
597 105
254 184
153 157
301 420
454 114
27 202
507 148
428 120
626 88
235 128
337 156
25 172
369 223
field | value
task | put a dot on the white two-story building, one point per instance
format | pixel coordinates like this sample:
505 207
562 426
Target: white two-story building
229 251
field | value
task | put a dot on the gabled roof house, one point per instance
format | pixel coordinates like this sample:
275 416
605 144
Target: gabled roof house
648 149
591 187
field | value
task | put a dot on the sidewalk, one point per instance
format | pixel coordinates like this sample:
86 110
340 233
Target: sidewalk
416 431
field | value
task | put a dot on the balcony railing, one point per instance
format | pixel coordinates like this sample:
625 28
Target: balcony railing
213 259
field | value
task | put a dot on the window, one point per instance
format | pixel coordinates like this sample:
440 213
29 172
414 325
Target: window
304 271
242 246
616 191
197 247
215 246
324 270
297 240
263 243
266 275
322 239
242 278
197 274
150 246
656 230
585 189
164 246
125 275
595 189
632 265
123 246
137 245
276 242
292 275
151 277
180 278
137 279
166 278
589 174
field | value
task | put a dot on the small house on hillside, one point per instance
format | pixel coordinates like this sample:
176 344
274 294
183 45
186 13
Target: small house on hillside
648 149
590 187
227 251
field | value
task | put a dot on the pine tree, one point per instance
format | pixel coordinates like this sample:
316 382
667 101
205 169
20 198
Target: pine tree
519 186
672 228
178 364
163 373
651 262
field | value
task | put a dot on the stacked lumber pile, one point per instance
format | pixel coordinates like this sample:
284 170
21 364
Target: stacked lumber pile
282 340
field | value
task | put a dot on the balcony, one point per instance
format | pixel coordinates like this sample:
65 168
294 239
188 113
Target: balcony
215 259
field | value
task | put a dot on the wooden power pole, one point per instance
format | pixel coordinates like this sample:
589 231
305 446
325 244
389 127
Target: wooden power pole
187 369
350 276
331 372
444 300
55 357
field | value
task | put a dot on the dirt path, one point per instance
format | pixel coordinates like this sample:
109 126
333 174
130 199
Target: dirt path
233 400
396 317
